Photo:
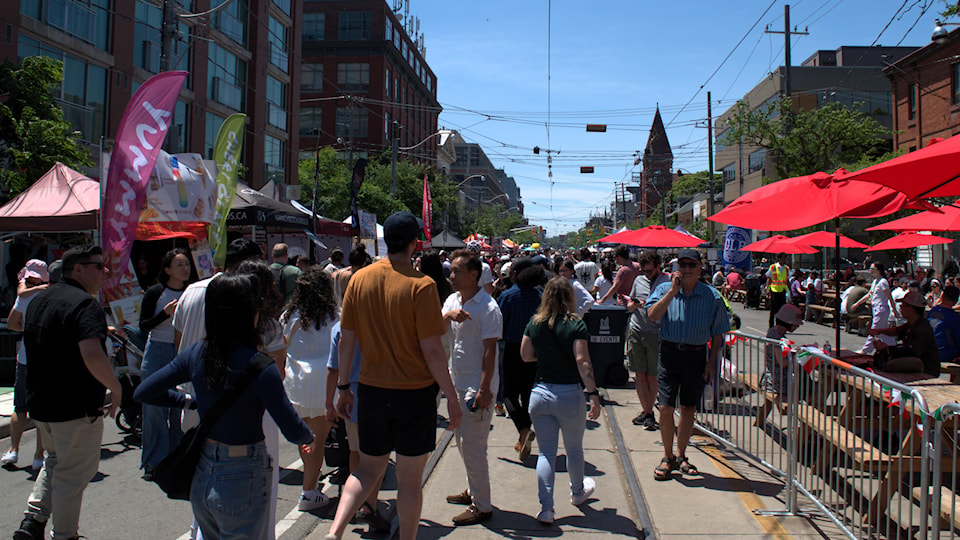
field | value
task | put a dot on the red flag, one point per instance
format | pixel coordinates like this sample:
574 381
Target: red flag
427 212
142 129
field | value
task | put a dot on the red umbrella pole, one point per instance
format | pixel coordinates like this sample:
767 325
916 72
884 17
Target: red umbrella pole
836 279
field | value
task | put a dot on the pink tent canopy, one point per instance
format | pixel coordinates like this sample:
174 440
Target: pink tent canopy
61 200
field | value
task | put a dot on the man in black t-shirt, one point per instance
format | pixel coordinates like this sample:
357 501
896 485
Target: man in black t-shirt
64 335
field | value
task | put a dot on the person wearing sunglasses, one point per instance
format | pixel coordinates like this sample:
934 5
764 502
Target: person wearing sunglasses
692 316
64 332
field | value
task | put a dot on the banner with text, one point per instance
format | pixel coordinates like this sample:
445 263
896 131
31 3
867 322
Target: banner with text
736 238
226 152
143 126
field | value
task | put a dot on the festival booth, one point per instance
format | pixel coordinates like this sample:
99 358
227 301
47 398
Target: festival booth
447 241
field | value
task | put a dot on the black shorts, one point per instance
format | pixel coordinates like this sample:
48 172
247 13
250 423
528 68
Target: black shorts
680 375
401 420
20 389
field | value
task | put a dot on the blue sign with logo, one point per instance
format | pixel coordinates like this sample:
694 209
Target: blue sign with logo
736 238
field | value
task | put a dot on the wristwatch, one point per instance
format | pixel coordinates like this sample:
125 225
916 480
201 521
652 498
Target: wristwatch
596 392
343 386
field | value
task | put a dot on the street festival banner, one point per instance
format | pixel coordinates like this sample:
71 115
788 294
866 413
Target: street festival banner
226 152
736 238
426 213
143 127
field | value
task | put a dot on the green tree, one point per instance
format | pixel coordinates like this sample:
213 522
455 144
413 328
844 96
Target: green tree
807 141
953 8
33 134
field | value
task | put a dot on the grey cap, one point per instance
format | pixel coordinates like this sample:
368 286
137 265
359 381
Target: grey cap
691 254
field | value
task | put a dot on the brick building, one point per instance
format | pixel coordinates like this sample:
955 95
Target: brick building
926 94
365 79
657 177
239 60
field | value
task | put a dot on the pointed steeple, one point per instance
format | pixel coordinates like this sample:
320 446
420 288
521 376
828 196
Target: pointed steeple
658 147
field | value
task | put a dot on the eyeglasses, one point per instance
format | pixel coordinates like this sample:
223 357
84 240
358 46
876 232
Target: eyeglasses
98 264
650 270
688 264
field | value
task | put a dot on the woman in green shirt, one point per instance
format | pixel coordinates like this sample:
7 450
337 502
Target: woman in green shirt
556 339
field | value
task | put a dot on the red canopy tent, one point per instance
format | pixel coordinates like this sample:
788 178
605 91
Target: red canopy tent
63 200
779 244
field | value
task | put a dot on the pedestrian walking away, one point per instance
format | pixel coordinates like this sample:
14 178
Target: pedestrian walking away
693 320
555 341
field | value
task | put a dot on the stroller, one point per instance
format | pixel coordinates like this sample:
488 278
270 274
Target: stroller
752 285
127 356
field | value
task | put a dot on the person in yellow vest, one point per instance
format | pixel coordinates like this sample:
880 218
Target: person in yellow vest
778 284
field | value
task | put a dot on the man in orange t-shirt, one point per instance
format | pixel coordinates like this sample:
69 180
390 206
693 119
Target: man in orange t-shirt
393 313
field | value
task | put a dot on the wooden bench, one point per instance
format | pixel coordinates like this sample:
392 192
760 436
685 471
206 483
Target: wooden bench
752 381
949 506
820 311
953 369
737 295
837 436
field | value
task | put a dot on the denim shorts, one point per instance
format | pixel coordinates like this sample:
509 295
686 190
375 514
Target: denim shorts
230 494
401 420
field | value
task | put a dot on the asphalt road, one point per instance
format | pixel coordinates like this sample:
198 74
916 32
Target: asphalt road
118 504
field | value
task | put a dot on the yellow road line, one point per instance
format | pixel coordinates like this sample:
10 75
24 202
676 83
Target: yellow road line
770 524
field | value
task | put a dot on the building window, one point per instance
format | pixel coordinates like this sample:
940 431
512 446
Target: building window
273 156
226 77
284 5
176 140
232 21
353 26
387 78
729 172
912 102
211 127
955 83
311 121
277 39
146 36
757 160
313 26
388 29
397 39
353 76
351 124
386 127
276 103
311 77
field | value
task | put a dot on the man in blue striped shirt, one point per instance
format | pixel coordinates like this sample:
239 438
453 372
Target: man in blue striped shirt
692 316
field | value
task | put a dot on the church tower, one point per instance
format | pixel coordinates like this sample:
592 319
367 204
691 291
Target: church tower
657 177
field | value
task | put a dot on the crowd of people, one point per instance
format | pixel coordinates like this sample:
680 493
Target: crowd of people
371 344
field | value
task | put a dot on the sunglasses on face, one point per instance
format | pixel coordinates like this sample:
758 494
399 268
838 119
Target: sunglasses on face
688 264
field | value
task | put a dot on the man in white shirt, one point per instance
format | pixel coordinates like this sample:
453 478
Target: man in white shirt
475 326
587 269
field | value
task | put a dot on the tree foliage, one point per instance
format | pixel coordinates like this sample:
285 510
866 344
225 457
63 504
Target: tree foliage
953 8
807 141
33 133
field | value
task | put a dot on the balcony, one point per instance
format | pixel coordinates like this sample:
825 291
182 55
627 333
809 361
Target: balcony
73 18
279 57
227 94
232 27
151 56
276 116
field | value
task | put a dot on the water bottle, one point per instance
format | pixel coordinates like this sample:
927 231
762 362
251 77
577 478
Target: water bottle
470 399
827 349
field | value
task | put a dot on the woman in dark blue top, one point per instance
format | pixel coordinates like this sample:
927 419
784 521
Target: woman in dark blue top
231 488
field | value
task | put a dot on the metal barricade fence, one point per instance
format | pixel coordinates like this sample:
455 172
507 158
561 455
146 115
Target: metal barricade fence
945 454
852 443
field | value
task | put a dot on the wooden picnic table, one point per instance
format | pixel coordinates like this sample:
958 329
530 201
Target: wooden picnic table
842 430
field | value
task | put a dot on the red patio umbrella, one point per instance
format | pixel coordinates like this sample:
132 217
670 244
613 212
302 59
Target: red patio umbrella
654 236
909 240
826 239
946 218
932 171
778 244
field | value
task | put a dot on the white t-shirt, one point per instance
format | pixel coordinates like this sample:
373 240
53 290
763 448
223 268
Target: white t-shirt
20 306
486 275
603 285
466 339
586 272
581 297
308 350
189 317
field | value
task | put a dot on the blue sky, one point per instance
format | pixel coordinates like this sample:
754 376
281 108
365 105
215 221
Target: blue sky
612 62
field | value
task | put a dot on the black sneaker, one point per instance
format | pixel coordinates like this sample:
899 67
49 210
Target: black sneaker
30 529
639 419
650 423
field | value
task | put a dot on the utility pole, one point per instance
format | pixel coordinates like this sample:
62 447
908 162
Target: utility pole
710 224
168 29
786 46
393 162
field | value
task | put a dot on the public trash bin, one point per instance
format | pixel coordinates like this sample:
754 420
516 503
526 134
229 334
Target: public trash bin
607 326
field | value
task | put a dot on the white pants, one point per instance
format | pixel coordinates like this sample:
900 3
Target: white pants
472 438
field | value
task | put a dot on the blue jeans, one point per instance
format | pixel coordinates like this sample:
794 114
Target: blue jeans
161 425
230 494
556 408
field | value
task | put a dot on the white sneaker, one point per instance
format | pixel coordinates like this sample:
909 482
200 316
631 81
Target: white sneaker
545 517
589 486
9 458
312 500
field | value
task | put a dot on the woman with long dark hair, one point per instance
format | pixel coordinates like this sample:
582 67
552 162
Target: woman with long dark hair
556 340
161 425
307 320
431 265
230 494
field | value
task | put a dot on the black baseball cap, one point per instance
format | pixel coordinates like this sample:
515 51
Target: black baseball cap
402 227
691 254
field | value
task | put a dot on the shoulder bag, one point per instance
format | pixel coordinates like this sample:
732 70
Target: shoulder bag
174 474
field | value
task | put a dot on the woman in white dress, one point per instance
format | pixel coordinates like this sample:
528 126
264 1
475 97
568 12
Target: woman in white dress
604 282
307 320
881 305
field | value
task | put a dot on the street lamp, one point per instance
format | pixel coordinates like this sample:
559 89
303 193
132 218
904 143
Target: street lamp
940 33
